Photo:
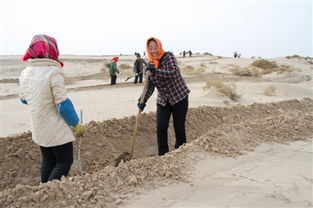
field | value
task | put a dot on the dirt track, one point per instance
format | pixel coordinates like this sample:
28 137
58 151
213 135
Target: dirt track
100 76
218 130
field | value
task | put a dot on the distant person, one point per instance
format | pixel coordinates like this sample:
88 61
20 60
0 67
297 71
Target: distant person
52 112
138 68
235 54
172 94
113 70
184 54
190 53
144 53
239 54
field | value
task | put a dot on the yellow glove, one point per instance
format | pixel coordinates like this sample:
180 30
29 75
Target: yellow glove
79 129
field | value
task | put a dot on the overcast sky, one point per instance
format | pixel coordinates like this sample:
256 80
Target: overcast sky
267 28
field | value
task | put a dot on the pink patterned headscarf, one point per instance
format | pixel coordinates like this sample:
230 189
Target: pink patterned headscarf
43 46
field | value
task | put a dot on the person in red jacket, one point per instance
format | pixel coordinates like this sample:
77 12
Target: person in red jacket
172 94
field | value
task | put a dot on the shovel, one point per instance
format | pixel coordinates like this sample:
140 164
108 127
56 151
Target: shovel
132 77
79 139
125 155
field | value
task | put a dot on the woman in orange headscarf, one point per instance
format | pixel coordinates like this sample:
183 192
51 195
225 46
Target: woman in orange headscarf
172 93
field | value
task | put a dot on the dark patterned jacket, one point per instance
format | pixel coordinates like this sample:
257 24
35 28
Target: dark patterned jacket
168 80
138 65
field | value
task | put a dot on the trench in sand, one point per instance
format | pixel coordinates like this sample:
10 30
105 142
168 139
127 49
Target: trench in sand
219 128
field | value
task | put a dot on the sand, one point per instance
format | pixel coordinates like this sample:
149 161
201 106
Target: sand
234 156
262 178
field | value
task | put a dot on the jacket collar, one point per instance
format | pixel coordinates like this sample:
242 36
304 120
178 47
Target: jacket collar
43 62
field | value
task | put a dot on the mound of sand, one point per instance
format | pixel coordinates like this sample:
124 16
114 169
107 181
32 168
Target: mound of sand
217 130
292 77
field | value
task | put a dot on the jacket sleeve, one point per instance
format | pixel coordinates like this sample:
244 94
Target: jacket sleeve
59 92
116 69
68 113
111 70
170 68
136 66
21 94
63 103
149 91
22 98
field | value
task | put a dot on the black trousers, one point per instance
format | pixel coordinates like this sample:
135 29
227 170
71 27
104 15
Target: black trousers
113 79
136 78
56 161
179 111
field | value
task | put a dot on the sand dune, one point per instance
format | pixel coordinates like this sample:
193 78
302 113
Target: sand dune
236 154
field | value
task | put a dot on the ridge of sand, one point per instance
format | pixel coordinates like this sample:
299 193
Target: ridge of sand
262 178
226 132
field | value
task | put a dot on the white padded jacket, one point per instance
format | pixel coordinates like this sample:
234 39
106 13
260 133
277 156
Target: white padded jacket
42 86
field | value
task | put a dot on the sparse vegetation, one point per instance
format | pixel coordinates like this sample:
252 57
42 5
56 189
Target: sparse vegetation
188 70
228 90
249 71
71 80
307 58
269 90
294 56
107 65
124 66
279 70
207 54
203 65
265 64
213 62
310 61
201 69
271 66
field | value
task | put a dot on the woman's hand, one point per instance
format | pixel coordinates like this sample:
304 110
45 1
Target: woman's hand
150 67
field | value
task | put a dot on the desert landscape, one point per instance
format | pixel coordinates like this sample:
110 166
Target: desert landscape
249 131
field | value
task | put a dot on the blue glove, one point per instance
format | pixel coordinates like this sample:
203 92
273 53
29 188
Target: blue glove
150 67
141 106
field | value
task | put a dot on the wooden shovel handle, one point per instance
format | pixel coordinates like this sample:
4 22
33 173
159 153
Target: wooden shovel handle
142 97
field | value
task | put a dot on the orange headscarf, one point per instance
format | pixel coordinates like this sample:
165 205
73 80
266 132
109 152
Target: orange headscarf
156 61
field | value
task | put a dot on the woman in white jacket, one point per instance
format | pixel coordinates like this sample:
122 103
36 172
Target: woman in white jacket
52 112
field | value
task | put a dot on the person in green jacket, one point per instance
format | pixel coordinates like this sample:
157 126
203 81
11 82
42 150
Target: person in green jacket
113 70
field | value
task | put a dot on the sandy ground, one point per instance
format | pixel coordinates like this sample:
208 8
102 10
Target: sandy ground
113 102
263 178
215 169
